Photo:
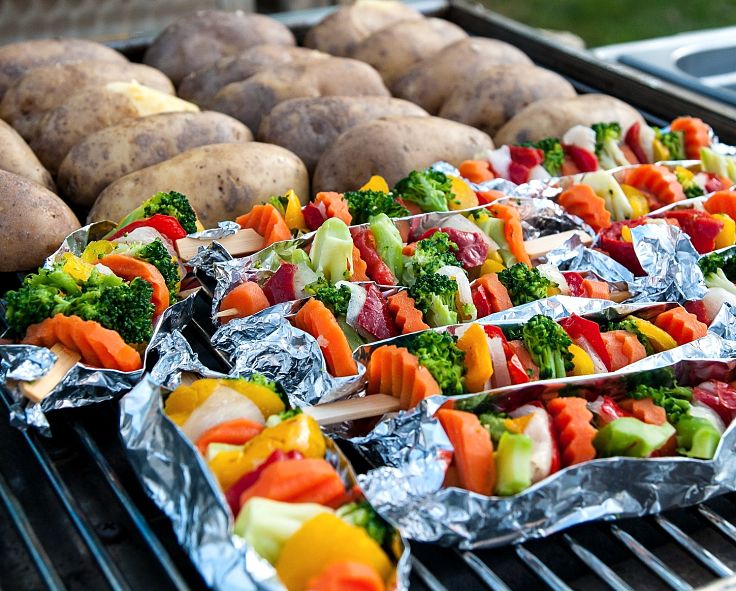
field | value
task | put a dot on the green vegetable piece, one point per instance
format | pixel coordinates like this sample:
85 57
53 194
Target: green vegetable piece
525 284
430 255
439 353
388 243
554 155
366 204
335 298
436 296
363 515
494 228
171 203
495 424
549 346
631 437
673 141
429 189
697 437
674 399
513 463
332 251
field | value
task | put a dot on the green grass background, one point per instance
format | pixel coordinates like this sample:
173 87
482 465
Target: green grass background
603 22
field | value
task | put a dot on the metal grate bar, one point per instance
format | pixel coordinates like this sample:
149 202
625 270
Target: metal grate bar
650 560
27 535
541 570
600 568
706 557
726 527
429 580
480 568
135 515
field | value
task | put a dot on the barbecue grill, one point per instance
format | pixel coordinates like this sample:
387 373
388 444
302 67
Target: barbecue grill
73 515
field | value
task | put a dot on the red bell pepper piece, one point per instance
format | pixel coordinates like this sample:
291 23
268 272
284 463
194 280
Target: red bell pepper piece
632 140
697 307
526 156
575 283
584 160
518 173
617 248
516 368
314 217
166 225
717 183
481 300
607 410
578 327
232 494
699 225
376 269
720 396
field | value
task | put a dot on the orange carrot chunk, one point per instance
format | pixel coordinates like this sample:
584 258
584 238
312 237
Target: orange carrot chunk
681 325
473 458
267 221
247 298
317 320
406 315
582 201
359 267
657 182
408 381
623 347
695 133
476 171
129 268
347 575
599 290
571 419
335 206
496 292
512 230
234 432
722 202
645 410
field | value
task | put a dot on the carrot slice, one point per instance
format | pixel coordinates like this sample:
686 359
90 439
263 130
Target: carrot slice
267 221
473 458
571 419
599 290
410 368
476 171
77 331
582 201
335 206
623 347
347 575
406 315
424 386
512 230
129 268
657 182
317 320
695 133
359 267
722 202
408 381
247 298
496 292
235 432
645 410
306 480
681 325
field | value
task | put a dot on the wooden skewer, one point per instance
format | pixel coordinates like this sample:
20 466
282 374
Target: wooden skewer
246 241
373 405
227 313
41 388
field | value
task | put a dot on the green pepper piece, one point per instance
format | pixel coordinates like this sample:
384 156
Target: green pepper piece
697 437
389 244
631 437
513 463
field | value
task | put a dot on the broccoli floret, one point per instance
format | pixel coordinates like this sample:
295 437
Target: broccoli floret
442 358
430 254
156 254
710 263
261 380
525 284
718 278
435 295
689 186
673 142
673 398
554 155
365 204
607 136
335 298
605 132
171 203
549 346
363 515
494 423
429 189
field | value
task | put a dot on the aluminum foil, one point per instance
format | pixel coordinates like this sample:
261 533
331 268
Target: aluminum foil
176 479
411 446
556 307
176 357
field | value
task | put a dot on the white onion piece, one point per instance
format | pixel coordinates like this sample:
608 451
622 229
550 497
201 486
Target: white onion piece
538 430
358 295
103 270
500 160
303 276
146 235
553 274
714 299
539 173
580 136
646 141
703 411
224 404
460 222
598 365
463 287
501 376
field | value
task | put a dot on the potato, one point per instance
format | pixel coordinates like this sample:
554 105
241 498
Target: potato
250 100
18 58
26 240
105 156
308 126
17 157
201 86
45 88
341 31
553 117
201 38
431 81
395 49
93 109
222 181
392 148
500 92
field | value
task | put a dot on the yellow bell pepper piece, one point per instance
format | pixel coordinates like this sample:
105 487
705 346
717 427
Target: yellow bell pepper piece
478 367
96 250
76 267
684 173
582 364
660 151
293 213
626 234
322 540
492 264
182 401
463 195
199 226
553 291
376 183
519 424
637 200
727 236
300 433
659 339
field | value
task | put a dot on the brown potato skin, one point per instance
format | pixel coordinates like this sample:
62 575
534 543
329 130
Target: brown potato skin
17 157
433 80
250 100
498 93
395 49
340 32
222 181
103 157
45 88
554 117
26 240
81 114
392 148
16 59
308 126
201 38
200 87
